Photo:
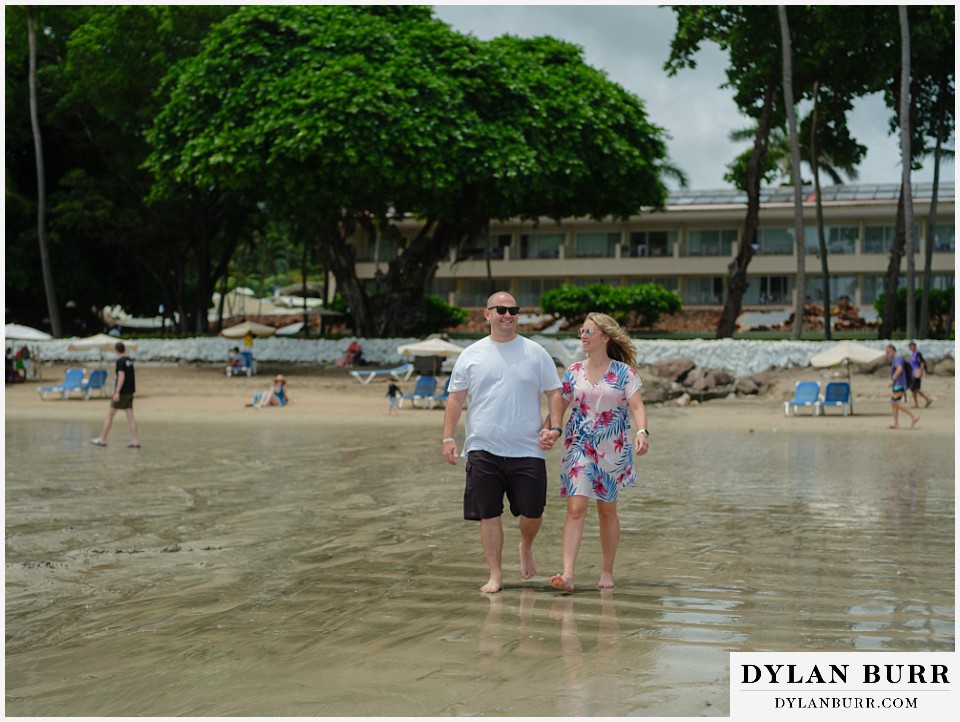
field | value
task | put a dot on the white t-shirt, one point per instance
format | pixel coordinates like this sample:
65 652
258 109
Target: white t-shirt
504 382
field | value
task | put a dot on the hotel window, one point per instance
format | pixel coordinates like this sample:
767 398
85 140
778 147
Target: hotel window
704 291
710 243
655 244
493 245
879 239
942 282
477 292
531 290
873 288
840 239
775 242
943 238
841 287
443 287
774 290
540 245
596 245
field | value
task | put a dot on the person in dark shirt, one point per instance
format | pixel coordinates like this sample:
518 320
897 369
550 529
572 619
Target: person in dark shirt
123 393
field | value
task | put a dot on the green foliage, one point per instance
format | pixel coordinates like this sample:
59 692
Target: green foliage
349 116
639 306
441 315
940 304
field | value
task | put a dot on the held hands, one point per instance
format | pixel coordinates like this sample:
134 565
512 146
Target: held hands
548 437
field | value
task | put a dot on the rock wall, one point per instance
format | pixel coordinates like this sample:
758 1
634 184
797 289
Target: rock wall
741 358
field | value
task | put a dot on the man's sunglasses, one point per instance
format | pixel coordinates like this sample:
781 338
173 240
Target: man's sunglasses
512 310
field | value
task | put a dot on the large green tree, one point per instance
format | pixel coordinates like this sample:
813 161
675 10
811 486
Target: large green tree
100 71
350 119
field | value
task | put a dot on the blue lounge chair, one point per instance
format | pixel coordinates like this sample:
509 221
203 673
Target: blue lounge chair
425 389
837 393
72 381
400 373
806 393
96 380
441 399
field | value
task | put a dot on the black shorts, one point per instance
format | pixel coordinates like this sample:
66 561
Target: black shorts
915 385
524 480
124 402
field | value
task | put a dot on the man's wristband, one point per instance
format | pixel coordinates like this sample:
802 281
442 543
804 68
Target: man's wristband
449 438
553 428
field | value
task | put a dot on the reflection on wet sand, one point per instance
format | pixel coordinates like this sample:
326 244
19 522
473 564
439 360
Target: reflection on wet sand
200 578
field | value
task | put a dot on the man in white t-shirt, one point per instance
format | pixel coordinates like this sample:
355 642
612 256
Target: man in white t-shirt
504 375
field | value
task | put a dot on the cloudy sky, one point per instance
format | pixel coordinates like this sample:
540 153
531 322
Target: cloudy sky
632 43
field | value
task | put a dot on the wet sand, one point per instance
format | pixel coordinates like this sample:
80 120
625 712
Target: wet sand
312 560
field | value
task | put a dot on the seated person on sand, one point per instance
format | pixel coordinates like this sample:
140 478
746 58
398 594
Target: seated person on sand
234 360
276 396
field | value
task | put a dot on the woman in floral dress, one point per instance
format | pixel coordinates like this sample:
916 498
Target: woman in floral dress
597 452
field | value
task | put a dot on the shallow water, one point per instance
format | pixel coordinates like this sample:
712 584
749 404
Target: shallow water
242 571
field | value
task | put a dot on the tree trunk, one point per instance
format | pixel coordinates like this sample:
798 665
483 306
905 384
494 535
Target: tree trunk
737 282
924 326
907 158
889 321
821 240
799 237
53 309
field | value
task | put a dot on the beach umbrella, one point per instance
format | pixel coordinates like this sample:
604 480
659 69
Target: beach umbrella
844 353
430 347
24 333
290 330
249 327
99 342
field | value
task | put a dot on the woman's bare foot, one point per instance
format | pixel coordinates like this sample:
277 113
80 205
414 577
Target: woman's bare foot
528 564
492 586
606 581
558 581
913 421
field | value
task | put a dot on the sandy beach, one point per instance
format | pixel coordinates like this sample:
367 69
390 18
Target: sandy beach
312 560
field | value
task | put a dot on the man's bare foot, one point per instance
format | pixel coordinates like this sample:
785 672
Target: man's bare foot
528 564
606 581
929 401
914 421
492 586
558 581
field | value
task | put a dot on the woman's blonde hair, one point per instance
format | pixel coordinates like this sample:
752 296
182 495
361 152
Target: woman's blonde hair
620 347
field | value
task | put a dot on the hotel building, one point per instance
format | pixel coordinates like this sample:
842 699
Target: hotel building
687 248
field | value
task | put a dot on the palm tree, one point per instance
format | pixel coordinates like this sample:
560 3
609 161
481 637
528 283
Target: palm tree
53 310
797 181
907 162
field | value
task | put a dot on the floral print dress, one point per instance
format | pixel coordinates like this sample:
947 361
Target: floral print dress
597 453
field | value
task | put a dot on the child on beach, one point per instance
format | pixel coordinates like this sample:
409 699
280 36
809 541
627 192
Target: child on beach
275 396
393 398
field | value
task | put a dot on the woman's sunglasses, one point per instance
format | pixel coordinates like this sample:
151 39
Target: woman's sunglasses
512 310
586 332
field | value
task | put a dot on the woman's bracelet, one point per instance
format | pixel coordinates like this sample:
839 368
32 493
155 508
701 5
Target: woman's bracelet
449 438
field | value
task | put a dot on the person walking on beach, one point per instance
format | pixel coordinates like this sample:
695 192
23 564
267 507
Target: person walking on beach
597 456
126 386
393 397
504 375
919 365
898 388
